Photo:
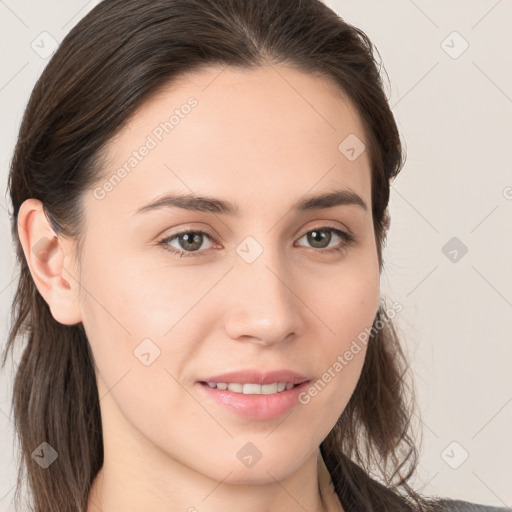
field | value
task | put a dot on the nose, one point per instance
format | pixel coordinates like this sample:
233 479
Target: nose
264 306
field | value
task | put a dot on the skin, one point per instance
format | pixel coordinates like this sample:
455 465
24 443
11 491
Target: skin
262 138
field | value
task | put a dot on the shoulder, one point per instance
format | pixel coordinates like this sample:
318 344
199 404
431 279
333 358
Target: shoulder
449 505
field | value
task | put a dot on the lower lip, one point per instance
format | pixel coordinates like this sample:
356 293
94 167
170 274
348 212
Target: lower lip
257 407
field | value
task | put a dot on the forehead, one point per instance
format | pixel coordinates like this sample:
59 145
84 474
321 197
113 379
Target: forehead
247 133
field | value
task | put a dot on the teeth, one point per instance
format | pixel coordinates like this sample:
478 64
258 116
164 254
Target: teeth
268 389
253 389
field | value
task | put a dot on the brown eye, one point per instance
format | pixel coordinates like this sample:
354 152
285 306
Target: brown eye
320 238
189 241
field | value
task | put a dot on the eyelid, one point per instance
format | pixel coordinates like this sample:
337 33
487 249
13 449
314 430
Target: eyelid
344 233
327 225
189 229
167 238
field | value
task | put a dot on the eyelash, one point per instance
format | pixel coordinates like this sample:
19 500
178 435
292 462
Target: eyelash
346 237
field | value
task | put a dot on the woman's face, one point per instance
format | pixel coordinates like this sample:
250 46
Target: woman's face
258 289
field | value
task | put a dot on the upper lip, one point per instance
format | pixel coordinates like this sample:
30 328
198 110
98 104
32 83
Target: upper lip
257 377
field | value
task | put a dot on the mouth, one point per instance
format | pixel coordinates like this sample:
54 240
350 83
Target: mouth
253 395
250 388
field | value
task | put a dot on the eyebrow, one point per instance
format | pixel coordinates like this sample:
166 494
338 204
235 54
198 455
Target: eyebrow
207 204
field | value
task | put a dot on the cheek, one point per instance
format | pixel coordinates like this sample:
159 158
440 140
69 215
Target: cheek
347 305
134 320
142 324
129 301
346 298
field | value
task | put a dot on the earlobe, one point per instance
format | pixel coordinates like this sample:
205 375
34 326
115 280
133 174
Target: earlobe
47 255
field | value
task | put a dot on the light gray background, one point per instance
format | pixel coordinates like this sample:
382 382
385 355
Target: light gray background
454 111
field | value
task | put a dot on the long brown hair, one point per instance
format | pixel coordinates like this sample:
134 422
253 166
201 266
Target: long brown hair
110 63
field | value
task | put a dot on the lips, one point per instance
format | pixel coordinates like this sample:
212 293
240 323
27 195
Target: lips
252 376
251 406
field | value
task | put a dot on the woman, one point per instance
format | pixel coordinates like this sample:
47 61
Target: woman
200 194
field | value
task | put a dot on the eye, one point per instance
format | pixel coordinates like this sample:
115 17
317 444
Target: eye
191 241
320 237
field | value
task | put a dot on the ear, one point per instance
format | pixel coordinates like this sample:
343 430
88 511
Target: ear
49 259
